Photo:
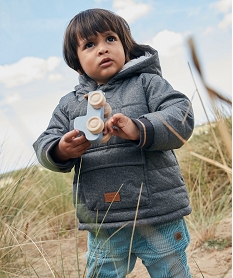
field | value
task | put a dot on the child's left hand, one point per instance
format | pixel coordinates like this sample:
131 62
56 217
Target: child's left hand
122 126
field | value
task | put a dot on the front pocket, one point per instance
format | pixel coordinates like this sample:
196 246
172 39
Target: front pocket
114 184
167 238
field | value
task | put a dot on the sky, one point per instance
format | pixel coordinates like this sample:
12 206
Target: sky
34 76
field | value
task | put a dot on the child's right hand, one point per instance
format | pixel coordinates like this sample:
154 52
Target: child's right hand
70 146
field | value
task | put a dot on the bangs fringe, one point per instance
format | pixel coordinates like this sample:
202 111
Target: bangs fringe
91 24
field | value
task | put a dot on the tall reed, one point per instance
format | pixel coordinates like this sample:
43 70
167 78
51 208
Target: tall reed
35 206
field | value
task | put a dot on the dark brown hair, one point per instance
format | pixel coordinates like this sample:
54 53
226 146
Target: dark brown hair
91 22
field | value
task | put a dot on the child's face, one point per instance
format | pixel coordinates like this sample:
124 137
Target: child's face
101 56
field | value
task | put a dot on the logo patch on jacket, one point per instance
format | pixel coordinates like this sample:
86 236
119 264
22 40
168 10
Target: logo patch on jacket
112 197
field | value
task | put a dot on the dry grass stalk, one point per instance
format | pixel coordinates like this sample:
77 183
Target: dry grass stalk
212 93
213 162
213 96
134 225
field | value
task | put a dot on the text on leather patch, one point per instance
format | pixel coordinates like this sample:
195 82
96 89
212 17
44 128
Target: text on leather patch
112 197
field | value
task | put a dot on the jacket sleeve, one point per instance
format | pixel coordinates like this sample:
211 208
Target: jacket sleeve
170 121
43 146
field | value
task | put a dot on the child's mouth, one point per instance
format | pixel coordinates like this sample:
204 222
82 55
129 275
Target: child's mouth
106 61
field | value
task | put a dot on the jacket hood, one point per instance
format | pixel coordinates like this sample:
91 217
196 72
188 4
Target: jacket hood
144 64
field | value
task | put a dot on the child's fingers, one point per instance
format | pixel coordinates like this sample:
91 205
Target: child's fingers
108 126
117 117
80 140
120 120
81 148
69 136
111 124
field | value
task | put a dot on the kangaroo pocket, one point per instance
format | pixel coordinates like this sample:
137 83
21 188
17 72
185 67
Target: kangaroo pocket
108 181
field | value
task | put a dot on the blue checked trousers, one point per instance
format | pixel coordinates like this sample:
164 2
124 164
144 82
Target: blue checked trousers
160 247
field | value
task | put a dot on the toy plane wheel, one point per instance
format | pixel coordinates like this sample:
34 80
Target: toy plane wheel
106 138
107 110
95 125
97 100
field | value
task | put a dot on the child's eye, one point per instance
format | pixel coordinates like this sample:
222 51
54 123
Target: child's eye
89 45
111 39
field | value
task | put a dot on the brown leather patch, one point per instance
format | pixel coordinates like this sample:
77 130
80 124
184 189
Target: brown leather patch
112 197
178 236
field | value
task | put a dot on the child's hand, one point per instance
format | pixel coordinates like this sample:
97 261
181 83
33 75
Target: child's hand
70 146
122 126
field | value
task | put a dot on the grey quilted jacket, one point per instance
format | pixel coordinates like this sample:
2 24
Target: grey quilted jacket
112 179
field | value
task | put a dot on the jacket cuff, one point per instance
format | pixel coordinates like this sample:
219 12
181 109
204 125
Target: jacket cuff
146 132
61 167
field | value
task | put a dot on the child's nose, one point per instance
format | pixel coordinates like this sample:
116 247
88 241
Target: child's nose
102 49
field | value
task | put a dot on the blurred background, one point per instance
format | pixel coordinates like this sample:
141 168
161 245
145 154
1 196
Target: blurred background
33 75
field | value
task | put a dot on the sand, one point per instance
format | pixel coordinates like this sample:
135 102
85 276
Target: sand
60 257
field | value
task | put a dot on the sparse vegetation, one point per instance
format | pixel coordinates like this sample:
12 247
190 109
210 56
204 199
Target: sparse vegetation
35 206
209 186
